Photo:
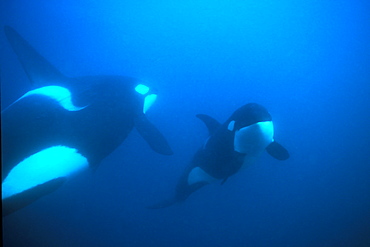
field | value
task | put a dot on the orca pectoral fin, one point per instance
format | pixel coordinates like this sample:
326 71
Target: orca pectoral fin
277 151
25 198
37 68
152 136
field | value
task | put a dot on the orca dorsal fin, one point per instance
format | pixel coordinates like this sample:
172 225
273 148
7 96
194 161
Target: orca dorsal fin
211 123
277 151
38 69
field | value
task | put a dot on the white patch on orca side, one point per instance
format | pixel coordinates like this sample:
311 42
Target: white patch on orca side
149 101
197 174
60 94
253 139
48 164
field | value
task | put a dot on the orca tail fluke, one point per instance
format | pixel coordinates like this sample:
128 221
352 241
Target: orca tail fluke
163 204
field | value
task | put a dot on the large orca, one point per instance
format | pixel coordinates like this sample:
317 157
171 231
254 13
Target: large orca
230 147
65 125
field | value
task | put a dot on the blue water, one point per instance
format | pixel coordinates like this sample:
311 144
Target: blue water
308 62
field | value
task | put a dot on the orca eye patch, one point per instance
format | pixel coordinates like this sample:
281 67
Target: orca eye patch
231 125
142 89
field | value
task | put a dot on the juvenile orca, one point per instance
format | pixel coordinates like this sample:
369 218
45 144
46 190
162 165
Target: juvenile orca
65 125
230 146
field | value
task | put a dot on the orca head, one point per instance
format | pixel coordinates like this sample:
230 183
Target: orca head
125 93
252 127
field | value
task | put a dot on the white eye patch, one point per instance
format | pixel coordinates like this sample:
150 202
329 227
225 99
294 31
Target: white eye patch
142 89
231 125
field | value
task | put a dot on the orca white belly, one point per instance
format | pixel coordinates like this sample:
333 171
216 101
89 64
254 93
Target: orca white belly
39 168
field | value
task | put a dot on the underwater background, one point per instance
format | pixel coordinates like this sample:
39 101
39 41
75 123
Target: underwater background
307 62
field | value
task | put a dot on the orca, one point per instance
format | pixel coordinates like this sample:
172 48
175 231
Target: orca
230 147
65 125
